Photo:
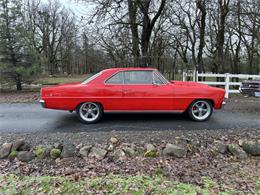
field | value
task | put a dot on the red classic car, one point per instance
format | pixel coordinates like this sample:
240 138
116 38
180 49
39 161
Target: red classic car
132 90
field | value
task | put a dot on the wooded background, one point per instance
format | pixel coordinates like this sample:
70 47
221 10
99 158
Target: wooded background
46 38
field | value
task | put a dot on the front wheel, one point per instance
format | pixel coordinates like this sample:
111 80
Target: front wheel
200 110
89 112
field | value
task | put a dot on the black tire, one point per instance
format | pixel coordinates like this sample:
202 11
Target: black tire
193 112
81 109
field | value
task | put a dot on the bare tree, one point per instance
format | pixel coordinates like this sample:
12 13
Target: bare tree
223 6
251 38
132 12
201 5
140 18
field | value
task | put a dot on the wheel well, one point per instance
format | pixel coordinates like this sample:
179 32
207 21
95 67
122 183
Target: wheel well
210 100
93 102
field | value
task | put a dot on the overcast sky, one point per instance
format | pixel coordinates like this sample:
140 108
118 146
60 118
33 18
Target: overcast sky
78 7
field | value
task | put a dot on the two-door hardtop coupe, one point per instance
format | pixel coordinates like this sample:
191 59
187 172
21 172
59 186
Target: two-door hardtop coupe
132 90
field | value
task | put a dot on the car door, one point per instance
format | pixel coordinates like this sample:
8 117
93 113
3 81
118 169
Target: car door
113 92
141 92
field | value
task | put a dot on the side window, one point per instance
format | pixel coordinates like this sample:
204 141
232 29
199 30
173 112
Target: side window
138 77
116 79
157 79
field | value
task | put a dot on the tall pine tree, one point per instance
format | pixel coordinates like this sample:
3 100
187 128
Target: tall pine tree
17 59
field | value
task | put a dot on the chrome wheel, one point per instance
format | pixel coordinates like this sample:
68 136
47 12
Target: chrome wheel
89 111
201 110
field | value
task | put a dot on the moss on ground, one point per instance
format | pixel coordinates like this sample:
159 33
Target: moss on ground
55 153
13 154
40 152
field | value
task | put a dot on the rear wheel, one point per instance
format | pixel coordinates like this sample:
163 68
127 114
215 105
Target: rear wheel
200 110
89 112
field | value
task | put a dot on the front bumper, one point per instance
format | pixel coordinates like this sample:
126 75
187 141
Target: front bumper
42 102
223 104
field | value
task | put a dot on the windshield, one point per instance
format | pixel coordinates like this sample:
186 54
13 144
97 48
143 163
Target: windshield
91 78
162 77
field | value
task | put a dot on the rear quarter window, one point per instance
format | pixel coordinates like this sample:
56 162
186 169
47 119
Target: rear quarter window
115 79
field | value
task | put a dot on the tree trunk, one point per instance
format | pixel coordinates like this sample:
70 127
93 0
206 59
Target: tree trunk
224 9
148 25
18 83
202 7
132 11
145 40
238 48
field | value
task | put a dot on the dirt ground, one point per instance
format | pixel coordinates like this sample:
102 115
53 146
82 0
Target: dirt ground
19 97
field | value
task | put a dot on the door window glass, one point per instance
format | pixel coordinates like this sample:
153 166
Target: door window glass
138 77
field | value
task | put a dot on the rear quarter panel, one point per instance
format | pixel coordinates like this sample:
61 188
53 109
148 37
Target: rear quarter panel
69 97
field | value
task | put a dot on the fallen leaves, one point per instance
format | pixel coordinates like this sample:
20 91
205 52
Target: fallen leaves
19 97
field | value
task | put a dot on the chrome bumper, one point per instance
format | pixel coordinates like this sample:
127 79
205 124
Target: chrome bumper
223 104
42 102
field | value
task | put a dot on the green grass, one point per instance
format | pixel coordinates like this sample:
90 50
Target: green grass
45 81
257 185
111 184
61 79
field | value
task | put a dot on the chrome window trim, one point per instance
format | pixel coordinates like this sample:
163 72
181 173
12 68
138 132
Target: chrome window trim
123 71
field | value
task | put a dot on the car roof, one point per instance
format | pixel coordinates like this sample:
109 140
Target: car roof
127 69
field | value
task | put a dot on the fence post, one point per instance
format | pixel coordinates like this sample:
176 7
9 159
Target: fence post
227 85
183 76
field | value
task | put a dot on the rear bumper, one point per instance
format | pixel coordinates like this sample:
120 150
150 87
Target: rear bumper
249 91
42 102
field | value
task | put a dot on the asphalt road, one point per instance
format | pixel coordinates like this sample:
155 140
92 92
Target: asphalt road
22 118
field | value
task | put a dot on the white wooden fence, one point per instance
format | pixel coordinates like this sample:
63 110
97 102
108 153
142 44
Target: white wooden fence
227 83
